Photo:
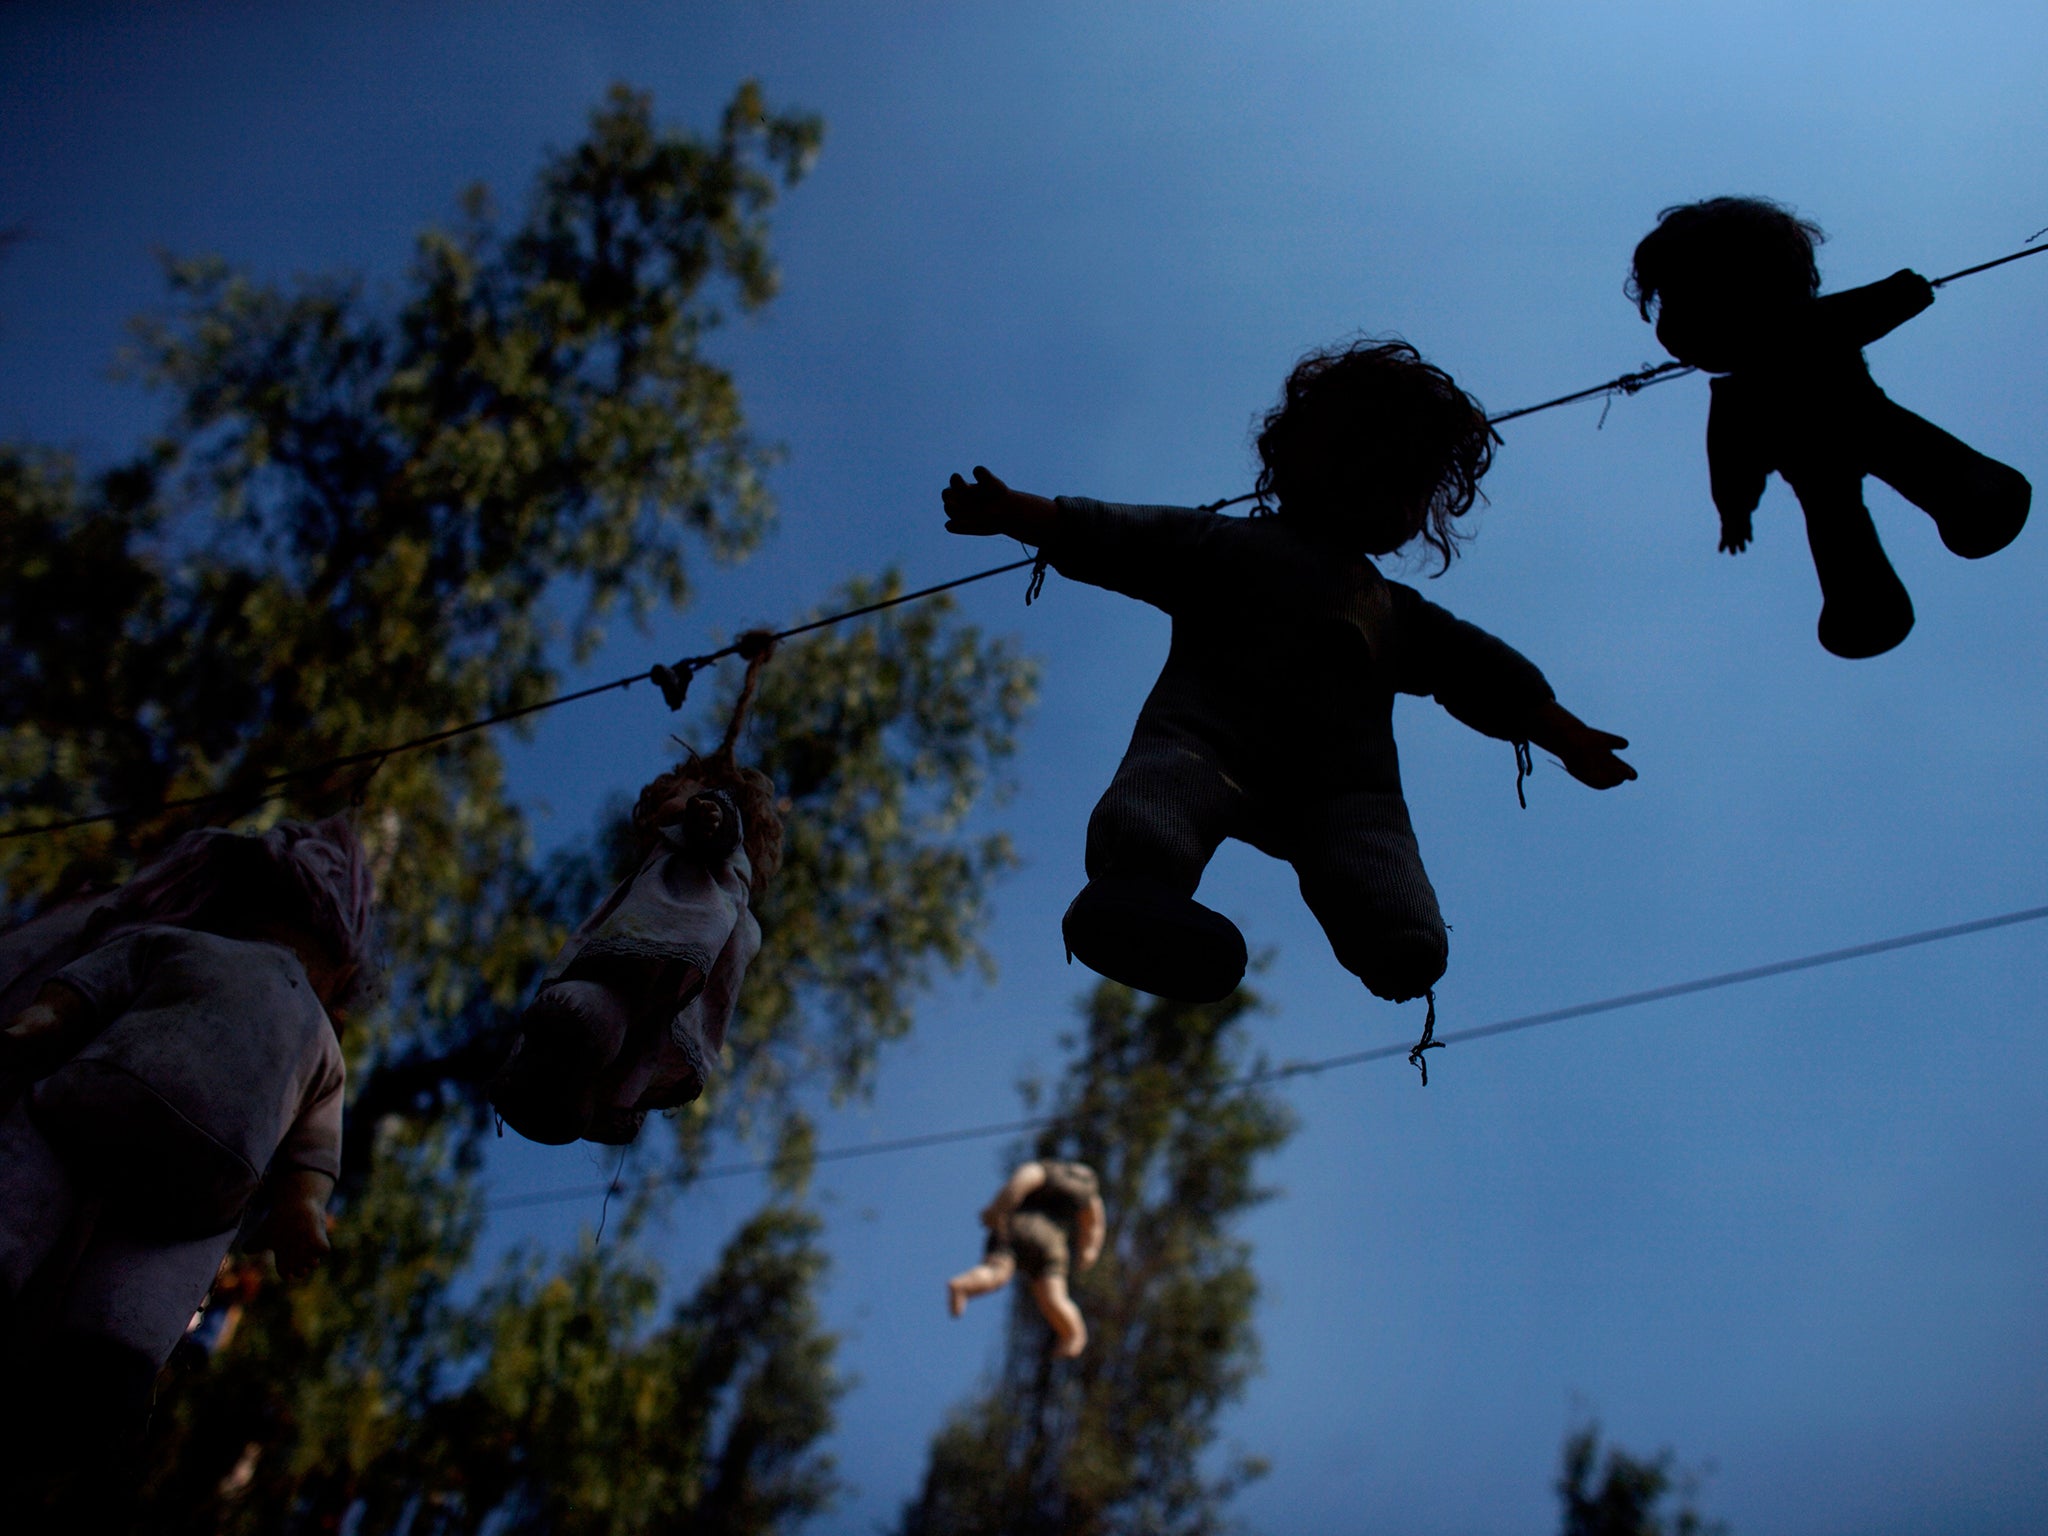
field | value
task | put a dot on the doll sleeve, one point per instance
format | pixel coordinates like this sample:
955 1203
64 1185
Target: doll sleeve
110 977
1737 465
1150 553
1479 679
1858 316
313 1140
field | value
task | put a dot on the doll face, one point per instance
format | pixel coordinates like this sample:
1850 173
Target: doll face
1720 325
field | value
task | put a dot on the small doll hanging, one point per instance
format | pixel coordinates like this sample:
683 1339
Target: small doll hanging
632 1015
1046 1221
1735 292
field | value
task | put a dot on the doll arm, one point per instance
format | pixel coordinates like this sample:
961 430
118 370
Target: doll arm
1091 1226
1736 464
1026 1178
1859 316
301 1178
1145 552
1485 683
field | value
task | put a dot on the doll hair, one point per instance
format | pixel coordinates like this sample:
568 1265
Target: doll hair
311 875
1750 241
662 802
1406 422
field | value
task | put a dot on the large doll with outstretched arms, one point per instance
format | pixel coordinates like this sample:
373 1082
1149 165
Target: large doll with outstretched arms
1272 721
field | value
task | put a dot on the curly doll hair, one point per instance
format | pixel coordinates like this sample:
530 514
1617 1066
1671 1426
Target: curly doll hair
662 802
1376 403
1734 239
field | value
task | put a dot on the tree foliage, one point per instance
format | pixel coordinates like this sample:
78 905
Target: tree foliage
1629 1496
1113 1442
373 513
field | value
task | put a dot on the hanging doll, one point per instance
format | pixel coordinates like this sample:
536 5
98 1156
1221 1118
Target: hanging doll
1734 288
1272 721
632 1015
181 1067
1047 1218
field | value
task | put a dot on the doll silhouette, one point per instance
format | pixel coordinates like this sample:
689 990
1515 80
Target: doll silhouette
632 1015
1735 292
1272 720
1046 1219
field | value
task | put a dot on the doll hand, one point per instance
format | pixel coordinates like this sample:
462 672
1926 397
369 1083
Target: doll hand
1589 757
295 1229
296 1235
1735 535
976 508
49 1029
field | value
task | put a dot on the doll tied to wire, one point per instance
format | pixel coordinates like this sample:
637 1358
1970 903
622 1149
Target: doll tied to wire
1045 1222
1272 719
1735 292
632 1015
176 1065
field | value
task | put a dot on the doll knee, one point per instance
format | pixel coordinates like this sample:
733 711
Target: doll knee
1158 822
1396 965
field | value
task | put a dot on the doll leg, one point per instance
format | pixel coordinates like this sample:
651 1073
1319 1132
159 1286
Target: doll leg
991 1274
1361 874
1977 503
1151 836
1050 1292
1865 610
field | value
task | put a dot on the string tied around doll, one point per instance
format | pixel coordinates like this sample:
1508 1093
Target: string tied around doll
1428 1042
1041 558
1525 765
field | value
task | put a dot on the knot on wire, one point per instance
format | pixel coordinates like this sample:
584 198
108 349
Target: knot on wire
1525 764
674 681
1428 1042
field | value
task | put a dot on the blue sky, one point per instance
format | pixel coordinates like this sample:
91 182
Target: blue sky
1795 1230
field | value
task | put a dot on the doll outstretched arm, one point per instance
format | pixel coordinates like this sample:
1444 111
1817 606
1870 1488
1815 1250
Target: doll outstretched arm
1487 684
1859 316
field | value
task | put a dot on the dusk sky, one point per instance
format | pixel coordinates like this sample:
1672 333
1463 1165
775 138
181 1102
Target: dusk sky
1793 1230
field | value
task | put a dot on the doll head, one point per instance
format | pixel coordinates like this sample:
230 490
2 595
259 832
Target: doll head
304 885
666 800
1721 275
1374 447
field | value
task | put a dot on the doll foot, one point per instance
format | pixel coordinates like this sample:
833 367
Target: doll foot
1155 940
1868 627
1994 520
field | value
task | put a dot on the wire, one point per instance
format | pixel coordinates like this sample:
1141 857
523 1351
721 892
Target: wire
271 786
1290 1070
675 682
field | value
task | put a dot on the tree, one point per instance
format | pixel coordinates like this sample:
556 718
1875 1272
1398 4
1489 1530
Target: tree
369 519
1111 1442
1626 1501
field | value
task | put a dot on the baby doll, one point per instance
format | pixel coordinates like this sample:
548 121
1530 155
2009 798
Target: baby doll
1045 1209
634 1011
182 1068
1272 721
1735 291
